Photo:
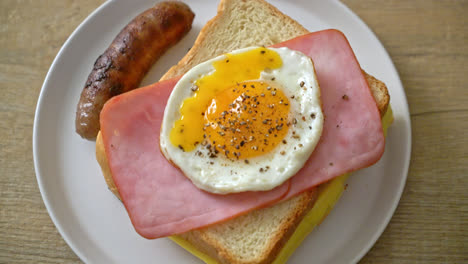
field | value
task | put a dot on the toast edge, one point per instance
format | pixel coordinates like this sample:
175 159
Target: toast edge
210 26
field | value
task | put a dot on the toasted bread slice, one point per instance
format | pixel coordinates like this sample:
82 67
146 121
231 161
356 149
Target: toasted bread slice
258 236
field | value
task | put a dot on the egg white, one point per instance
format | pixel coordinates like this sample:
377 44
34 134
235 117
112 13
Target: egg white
299 83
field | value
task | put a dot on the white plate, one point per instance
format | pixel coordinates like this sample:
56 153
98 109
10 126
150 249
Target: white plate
95 224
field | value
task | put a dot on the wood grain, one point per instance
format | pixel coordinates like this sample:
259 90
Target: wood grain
428 42
31 34
426 39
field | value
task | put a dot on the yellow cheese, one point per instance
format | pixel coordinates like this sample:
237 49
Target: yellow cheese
329 193
197 253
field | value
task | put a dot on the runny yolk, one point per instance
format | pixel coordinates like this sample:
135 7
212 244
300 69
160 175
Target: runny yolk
247 120
221 93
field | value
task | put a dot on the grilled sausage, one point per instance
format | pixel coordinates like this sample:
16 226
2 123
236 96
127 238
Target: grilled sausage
126 61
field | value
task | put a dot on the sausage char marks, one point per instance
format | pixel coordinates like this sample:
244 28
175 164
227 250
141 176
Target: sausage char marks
129 57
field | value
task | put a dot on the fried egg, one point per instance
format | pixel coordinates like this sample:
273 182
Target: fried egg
244 121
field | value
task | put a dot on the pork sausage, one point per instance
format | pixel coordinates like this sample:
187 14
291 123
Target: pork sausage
126 61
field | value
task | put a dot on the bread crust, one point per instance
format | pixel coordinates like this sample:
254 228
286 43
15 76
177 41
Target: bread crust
205 241
380 92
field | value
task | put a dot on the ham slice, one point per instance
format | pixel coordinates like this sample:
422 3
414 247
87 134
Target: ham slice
161 201
352 136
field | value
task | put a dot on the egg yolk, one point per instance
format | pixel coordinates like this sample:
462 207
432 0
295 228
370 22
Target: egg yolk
247 120
228 92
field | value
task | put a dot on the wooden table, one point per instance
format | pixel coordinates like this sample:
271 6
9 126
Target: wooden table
428 42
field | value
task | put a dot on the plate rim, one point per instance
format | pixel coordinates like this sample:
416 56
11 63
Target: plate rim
35 140
407 160
39 109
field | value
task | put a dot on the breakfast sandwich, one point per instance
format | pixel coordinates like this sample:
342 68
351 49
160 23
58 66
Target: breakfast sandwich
245 145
